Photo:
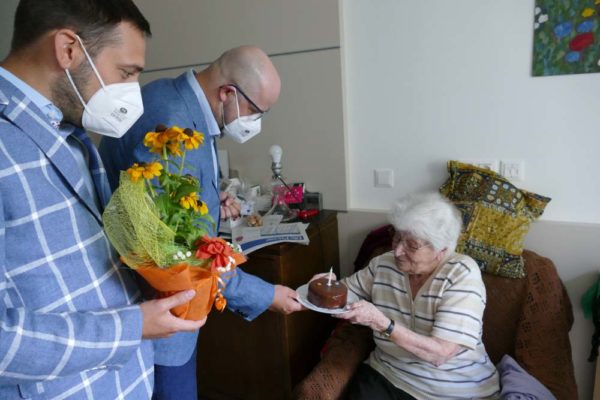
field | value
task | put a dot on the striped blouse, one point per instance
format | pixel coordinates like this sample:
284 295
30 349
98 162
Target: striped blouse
449 306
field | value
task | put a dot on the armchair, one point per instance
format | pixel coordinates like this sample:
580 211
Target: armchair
528 318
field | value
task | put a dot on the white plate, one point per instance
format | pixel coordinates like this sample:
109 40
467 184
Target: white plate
302 298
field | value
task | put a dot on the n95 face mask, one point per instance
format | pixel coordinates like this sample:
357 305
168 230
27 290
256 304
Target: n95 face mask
241 129
114 108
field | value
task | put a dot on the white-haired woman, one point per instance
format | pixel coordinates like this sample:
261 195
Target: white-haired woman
424 303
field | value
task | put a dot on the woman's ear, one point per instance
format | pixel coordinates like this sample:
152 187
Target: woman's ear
442 253
66 49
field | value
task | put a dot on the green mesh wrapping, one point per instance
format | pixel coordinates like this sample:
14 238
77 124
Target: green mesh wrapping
134 228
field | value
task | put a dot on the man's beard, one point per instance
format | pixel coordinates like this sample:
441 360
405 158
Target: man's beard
64 96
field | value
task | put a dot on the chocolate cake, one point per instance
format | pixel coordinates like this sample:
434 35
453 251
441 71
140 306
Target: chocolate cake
327 296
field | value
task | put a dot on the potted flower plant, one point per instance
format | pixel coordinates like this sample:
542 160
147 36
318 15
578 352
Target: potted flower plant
158 224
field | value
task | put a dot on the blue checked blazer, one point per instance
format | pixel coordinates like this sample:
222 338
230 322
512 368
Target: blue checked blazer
69 326
173 102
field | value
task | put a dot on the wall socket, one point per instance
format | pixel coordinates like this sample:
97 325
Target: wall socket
513 170
492 165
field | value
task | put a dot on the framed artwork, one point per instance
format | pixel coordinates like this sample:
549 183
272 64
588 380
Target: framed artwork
566 37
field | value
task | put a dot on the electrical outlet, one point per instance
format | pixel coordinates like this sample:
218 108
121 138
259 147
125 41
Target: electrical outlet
513 170
384 178
492 165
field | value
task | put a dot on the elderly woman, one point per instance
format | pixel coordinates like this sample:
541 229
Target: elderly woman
424 303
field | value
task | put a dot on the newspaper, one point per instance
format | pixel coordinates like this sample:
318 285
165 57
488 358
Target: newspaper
251 239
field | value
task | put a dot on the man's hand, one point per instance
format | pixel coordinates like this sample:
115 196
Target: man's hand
158 322
284 300
230 207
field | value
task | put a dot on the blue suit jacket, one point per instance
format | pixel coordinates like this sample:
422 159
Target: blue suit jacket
173 102
68 322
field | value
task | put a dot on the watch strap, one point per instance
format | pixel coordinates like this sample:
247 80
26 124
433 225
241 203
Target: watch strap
388 331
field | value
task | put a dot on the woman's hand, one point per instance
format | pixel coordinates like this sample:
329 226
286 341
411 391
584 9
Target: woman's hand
364 313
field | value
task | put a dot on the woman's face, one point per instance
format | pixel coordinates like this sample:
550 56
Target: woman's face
414 256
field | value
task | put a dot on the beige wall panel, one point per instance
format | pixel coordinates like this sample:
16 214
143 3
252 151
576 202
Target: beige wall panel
7 13
189 32
307 124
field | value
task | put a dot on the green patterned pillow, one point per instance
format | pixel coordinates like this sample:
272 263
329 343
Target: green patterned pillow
496 217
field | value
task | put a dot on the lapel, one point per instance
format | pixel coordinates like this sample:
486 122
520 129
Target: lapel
190 101
96 168
32 122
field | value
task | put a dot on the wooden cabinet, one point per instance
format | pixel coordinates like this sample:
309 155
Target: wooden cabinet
265 358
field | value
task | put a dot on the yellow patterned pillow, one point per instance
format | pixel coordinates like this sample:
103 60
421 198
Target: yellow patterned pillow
496 217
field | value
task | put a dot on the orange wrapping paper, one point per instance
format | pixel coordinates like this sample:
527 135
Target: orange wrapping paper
168 281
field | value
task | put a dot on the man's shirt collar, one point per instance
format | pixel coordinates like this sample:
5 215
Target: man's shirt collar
213 127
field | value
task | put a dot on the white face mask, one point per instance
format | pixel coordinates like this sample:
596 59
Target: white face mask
114 108
241 129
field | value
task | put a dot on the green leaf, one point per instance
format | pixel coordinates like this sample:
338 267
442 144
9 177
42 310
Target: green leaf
184 189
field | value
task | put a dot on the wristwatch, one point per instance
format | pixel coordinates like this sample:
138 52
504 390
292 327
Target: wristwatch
388 331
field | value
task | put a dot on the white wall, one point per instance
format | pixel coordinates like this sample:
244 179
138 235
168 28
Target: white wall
430 81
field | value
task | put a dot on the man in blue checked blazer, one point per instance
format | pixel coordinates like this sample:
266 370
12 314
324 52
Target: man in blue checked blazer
230 96
69 323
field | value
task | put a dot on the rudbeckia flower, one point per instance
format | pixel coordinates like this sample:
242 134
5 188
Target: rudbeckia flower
135 172
189 201
152 169
174 148
155 141
192 139
174 134
203 209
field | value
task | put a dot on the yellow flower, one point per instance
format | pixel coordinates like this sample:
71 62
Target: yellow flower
588 12
135 172
203 208
190 201
597 2
174 148
192 139
174 134
152 169
156 141
151 138
148 171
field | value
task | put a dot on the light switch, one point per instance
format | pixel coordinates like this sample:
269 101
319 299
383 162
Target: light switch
384 178
513 170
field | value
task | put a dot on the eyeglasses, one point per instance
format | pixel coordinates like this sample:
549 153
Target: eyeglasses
410 245
261 113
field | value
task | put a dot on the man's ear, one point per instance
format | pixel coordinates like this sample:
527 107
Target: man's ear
224 92
67 49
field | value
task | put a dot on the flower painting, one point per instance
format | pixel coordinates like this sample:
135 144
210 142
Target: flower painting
566 37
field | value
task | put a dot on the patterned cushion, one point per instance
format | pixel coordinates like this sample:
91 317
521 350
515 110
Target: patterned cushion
496 217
